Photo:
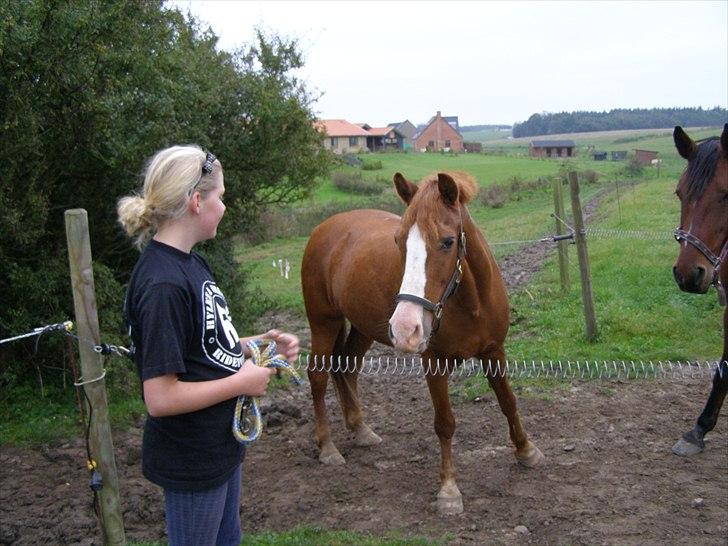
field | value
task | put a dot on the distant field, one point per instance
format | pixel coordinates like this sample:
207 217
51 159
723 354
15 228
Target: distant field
486 135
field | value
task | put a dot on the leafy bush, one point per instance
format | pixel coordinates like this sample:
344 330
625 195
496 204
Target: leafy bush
348 159
589 176
354 182
633 168
299 221
494 196
373 165
90 90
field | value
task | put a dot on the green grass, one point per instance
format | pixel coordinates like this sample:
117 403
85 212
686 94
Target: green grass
267 279
314 536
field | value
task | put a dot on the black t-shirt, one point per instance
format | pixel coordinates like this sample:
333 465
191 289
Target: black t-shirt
180 324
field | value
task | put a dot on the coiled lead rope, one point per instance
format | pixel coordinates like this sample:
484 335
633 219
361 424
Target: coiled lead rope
247 422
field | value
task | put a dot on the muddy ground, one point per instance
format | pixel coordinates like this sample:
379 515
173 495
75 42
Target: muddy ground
609 475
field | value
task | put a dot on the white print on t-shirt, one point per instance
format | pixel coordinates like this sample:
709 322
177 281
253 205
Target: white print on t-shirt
220 340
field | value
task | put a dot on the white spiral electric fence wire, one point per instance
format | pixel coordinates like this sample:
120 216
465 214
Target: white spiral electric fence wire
560 369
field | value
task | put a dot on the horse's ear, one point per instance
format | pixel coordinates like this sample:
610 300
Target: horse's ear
448 188
684 144
404 187
724 141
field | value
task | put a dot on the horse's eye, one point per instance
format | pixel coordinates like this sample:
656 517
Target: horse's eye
725 197
446 243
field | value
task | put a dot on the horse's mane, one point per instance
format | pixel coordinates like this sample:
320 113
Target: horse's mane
427 199
701 168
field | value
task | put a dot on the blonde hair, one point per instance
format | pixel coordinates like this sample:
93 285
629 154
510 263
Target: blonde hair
170 178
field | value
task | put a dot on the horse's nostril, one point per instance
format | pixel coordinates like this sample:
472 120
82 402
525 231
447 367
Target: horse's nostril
700 275
676 275
391 333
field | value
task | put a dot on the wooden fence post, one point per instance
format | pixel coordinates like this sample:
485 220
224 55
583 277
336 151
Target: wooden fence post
580 238
87 322
560 230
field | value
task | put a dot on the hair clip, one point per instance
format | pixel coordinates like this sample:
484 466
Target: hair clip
207 165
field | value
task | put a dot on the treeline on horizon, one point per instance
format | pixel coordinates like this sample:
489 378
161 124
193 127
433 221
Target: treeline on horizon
637 118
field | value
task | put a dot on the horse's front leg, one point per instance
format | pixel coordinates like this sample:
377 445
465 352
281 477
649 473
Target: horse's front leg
692 442
449 499
494 363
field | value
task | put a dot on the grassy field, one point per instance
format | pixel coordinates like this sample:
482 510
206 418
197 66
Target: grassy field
641 314
658 140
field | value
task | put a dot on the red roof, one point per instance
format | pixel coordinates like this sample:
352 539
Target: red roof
340 128
380 131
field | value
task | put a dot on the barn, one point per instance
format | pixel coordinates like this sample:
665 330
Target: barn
408 130
382 139
552 148
645 157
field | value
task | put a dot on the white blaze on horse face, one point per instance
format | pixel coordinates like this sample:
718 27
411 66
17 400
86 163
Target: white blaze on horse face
407 321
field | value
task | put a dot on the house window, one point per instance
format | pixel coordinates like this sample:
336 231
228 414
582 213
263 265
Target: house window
353 141
334 142
431 143
447 144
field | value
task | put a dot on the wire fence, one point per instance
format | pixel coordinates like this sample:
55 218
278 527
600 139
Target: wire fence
558 369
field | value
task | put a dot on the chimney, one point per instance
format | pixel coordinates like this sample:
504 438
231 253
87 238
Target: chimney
438 114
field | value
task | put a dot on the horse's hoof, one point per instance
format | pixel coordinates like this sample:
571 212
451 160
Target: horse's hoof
330 456
531 457
450 506
366 437
683 448
449 500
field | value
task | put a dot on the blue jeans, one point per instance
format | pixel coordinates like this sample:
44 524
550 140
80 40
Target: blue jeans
205 518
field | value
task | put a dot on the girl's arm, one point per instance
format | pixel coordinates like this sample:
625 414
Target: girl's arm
166 395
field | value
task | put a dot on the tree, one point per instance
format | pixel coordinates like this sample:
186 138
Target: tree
90 89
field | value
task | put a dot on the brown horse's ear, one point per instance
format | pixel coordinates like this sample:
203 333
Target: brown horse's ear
684 144
724 141
448 188
404 187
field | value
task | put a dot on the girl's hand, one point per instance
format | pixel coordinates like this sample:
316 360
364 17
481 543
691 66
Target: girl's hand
253 380
286 344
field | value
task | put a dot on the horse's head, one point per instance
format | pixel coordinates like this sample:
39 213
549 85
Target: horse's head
431 241
703 194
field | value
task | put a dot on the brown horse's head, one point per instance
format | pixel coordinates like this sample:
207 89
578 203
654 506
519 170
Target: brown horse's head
430 241
703 194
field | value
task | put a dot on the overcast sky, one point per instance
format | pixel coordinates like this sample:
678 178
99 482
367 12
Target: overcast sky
491 62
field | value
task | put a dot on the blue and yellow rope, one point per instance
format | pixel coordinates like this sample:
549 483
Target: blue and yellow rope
247 428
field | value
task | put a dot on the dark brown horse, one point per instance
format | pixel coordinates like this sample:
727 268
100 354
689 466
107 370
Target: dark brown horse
703 258
382 273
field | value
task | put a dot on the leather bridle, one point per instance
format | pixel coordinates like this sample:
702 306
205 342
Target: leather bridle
453 283
682 235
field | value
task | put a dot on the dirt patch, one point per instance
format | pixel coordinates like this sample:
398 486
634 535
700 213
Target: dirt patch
609 476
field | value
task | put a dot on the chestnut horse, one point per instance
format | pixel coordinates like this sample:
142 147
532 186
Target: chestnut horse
382 273
702 262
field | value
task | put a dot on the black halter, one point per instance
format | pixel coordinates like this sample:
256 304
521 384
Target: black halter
457 274
716 261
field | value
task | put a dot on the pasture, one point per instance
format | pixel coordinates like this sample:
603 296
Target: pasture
609 475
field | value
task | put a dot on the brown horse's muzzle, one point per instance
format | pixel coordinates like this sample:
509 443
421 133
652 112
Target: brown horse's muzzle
695 279
695 268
